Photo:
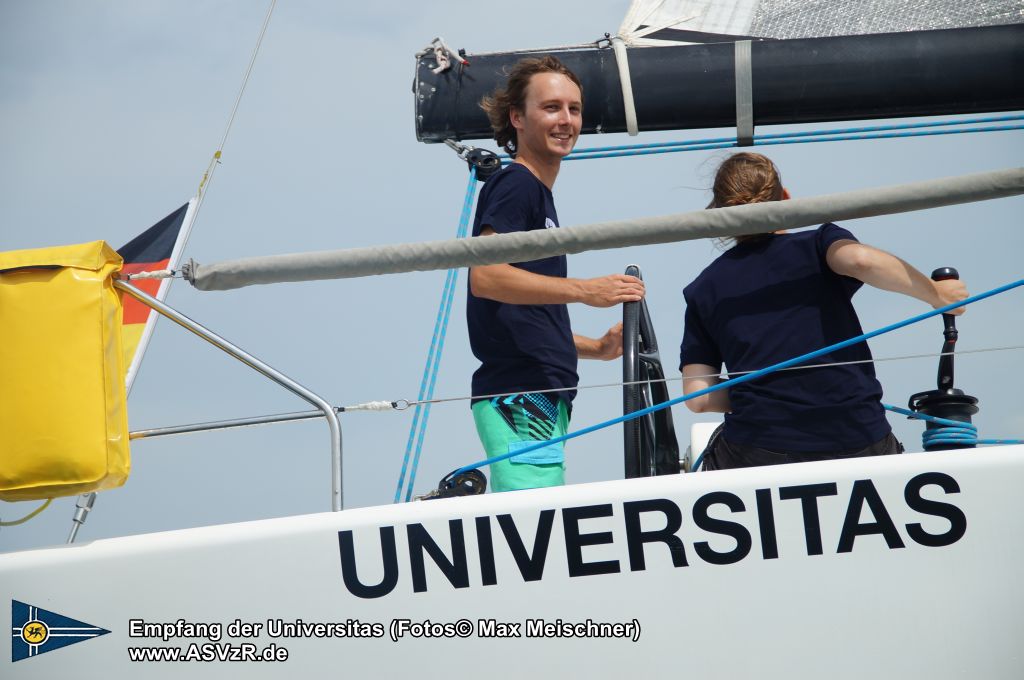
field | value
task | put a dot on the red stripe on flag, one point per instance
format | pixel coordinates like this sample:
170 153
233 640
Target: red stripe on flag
135 311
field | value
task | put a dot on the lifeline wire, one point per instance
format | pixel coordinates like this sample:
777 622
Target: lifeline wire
433 363
744 378
403 404
960 352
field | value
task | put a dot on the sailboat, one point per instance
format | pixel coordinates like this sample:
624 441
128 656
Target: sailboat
659 575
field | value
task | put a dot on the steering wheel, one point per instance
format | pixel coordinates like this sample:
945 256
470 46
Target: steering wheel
649 442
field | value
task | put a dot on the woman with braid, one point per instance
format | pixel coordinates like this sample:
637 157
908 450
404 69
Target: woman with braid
774 296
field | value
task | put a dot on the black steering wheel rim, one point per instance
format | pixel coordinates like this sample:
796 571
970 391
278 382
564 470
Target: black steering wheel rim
649 443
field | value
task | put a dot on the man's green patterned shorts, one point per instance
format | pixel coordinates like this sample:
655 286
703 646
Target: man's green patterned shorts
507 424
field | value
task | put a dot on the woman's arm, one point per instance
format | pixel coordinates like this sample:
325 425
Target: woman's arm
880 269
697 377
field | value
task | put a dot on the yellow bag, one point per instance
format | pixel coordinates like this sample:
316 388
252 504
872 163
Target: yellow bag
63 410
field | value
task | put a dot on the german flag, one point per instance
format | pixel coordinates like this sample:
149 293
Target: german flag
159 247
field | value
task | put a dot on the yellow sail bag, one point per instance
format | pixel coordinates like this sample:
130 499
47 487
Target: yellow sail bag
63 411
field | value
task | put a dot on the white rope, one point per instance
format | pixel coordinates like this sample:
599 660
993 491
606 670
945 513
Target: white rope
444 55
441 56
373 406
156 274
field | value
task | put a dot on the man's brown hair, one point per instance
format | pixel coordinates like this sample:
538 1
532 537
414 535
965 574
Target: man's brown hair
513 96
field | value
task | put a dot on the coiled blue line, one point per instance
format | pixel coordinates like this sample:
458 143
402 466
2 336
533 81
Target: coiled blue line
433 363
748 377
951 432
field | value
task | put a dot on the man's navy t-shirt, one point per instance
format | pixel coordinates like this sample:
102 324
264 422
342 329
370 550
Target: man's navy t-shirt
521 348
771 299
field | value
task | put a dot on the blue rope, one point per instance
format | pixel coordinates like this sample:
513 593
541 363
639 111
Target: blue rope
769 140
697 463
582 155
813 133
433 363
745 378
952 432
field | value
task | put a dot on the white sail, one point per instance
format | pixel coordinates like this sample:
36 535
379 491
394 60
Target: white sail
671 22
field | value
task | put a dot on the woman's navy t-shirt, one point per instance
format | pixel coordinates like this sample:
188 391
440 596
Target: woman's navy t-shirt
521 348
771 299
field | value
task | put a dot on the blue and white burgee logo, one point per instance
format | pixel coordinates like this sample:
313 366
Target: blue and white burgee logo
35 631
549 223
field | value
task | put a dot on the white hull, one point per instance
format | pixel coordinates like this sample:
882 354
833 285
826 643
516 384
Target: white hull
924 611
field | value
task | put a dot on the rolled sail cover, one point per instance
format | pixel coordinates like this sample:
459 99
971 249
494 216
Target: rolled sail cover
806 80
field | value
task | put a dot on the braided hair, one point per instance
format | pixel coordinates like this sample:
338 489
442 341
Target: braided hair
743 178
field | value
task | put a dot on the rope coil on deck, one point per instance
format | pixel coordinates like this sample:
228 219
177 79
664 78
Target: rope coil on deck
951 432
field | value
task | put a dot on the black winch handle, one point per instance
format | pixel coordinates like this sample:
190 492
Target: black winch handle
945 377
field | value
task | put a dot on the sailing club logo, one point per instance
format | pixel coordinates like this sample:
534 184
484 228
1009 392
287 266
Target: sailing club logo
35 631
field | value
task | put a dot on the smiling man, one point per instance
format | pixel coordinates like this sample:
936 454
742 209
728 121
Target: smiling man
518 320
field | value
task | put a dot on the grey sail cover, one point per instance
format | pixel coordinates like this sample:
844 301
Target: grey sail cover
537 244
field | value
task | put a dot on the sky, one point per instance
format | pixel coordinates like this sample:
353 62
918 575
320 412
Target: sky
110 112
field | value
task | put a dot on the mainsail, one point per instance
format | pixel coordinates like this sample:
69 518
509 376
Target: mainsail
669 22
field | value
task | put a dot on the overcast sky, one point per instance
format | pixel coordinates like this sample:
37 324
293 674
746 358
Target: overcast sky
110 112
